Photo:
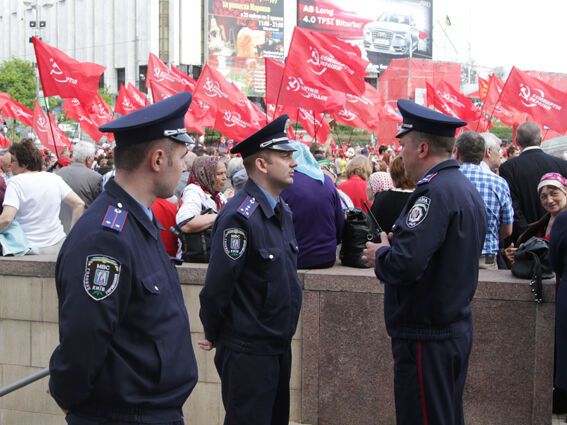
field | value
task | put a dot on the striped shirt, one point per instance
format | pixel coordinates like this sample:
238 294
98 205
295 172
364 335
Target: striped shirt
495 193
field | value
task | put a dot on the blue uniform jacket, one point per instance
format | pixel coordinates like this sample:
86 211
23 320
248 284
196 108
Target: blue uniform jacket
125 344
252 294
430 272
558 258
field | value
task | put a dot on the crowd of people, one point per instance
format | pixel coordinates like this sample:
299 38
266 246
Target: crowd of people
433 198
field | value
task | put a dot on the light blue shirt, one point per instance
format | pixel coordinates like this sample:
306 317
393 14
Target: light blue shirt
271 200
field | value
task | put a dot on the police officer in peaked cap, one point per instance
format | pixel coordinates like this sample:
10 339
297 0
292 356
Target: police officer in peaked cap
429 267
125 353
252 295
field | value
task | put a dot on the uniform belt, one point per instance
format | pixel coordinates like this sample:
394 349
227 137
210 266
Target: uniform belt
488 258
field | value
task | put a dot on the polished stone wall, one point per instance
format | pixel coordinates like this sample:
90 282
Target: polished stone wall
342 370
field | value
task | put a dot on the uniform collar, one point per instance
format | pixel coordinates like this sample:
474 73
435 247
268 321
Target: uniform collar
132 206
449 163
255 191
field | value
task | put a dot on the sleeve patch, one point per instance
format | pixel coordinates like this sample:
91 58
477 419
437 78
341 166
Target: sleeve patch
102 274
418 212
234 243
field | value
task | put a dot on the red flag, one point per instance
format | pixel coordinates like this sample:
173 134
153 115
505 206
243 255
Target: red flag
4 97
158 72
136 96
98 110
50 136
160 91
188 82
545 104
13 109
482 88
75 111
451 102
236 116
4 141
360 111
493 108
123 103
63 76
316 125
388 112
130 99
322 60
274 75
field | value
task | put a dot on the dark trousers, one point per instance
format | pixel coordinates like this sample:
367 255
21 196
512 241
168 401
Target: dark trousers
73 419
429 379
255 389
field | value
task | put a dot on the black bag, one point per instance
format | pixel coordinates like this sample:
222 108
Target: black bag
358 230
531 261
196 247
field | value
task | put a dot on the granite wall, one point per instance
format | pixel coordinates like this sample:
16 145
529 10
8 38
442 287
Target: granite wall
342 371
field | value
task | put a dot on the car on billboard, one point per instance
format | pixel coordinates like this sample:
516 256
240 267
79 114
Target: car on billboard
392 33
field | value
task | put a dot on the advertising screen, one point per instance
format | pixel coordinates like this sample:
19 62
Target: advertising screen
240 34
383 29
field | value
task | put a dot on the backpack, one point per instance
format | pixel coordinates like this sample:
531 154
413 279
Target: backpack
531 261
358 230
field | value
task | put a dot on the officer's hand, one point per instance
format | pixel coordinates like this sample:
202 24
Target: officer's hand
369 254
206 345
390 237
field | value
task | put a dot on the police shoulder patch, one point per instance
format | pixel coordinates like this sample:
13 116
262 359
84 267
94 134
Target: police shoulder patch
115 218
102 274
248 207
418 212
426 179
234 242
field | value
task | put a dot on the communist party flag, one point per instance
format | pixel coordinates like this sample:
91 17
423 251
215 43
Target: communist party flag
75 111
322 60
237 117
360 111
172 78
48 132
188 82
136 96
130 99
12 109
451 102
494 108
316 125
274 74
161 91
544 103
483 88
63 76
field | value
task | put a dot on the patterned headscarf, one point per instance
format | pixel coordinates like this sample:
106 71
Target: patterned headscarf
380 182
553 179
203 174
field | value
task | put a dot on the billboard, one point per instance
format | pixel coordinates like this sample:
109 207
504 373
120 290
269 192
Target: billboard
382 29
240 33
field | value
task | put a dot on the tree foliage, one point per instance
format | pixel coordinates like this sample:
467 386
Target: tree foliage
17 78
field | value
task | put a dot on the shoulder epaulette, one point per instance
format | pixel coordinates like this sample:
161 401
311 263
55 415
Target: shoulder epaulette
248 207
115 218
426 179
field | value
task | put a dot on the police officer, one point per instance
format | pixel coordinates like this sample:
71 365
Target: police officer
430 270
252 296
125 353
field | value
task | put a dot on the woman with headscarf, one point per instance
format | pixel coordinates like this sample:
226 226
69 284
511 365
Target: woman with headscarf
379 181
201 201
318 217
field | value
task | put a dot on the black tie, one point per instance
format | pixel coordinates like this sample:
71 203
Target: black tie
279 211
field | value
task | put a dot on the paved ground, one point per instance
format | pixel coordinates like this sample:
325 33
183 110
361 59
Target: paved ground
559 419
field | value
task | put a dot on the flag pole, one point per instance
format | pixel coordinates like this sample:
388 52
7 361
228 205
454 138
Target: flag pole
46 102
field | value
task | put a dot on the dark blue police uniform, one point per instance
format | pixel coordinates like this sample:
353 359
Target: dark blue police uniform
125 353
430 274
252 297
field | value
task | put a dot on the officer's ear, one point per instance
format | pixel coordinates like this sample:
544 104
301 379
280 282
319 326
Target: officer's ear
261 161
423 149
158 159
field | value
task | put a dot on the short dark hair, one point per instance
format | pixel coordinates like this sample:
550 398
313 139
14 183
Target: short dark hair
438 145
129 157
471 147
27 154
528 134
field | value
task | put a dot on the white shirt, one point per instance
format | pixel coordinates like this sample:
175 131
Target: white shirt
37 196
193 201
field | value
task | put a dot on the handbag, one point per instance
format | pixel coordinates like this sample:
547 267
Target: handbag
531 261
358 230
196 247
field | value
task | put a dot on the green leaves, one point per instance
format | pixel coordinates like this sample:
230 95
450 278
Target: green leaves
17 78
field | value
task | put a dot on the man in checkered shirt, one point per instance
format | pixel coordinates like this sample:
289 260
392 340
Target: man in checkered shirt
494 190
